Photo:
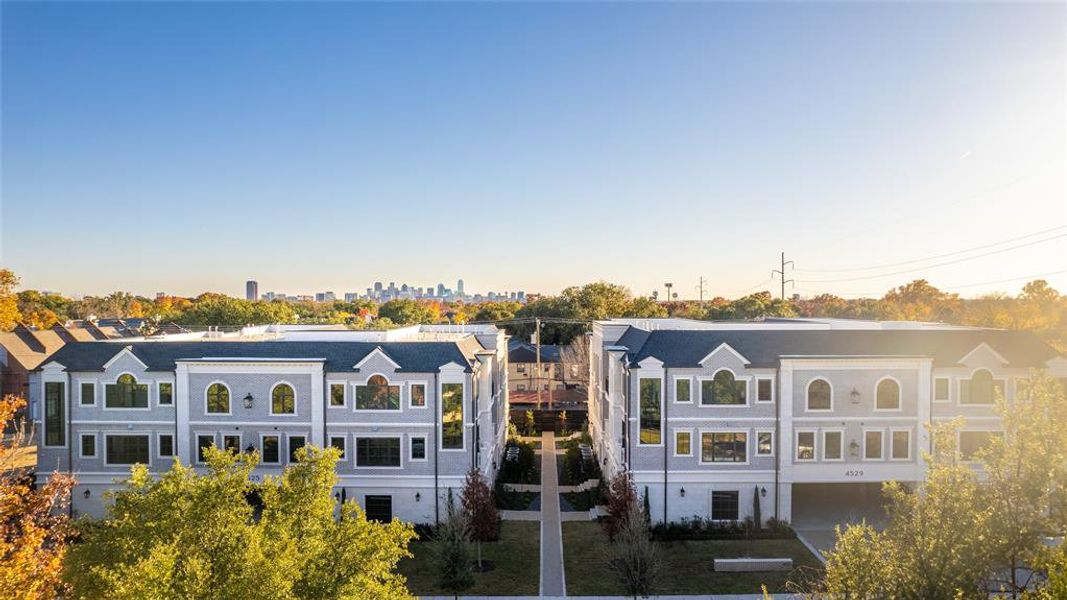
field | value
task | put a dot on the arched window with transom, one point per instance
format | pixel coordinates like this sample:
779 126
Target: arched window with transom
981 388
723 389
218 399
887 395
126 393
283 400
377 394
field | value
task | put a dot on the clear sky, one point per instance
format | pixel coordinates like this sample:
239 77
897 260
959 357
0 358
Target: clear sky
188 147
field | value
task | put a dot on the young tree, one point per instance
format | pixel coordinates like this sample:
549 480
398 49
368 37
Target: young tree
454 552
479 511
530 424
9 306
33 523
187 535
620 496
757 510
634 557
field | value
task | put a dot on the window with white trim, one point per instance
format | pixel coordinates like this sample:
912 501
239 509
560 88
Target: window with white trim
872 444
651 411
377 394
682 387
88 445
418 395
338 442
378 452
231 443
296 442
723 446
166 393
725 505
723 390
820 395
764 390
126 393
283 400
418 448
55 414
765 442
941 387
805 444
126 449
900 444
337 395
683 443
271 450
88 392
203 442
981 388
218 399
166 445
832 445
887 395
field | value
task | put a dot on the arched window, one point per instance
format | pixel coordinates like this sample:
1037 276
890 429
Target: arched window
126 393
218 398
981 388
283 400
722 389
377 394
887 396
819 395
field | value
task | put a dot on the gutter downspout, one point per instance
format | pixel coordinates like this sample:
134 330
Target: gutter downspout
70 432
436 446
626 415
663 437
777 438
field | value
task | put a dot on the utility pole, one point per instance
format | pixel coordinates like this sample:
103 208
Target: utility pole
781 273
700 288
668 285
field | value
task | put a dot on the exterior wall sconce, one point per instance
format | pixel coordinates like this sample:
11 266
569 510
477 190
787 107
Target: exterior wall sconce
418 497
87 493
853 448
854 395
682 491
248 400
763 492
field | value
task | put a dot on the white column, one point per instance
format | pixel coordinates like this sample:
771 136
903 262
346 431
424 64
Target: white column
922 433
318 400
785 448
181 412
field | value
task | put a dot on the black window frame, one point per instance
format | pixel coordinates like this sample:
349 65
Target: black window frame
728 501
280 398
650 411
368 447
422 395
411 453
170 445
83 437
293 448
724 441
108 448
760 383
169 395
714 390
126 395
333 395
276 451
91 385
344 444
216 393
378 394
452 417
55 414
200 447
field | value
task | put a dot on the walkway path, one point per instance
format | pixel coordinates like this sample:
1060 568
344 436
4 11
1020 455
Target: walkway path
552 578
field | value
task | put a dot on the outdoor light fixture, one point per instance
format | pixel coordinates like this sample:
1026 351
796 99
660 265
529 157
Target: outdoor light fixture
853 448
763 492
418 497
87 493
248 400
855 396
683 492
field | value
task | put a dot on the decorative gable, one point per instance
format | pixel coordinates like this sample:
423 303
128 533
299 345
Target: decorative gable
125 353
651 363
378 354
722 355
982 355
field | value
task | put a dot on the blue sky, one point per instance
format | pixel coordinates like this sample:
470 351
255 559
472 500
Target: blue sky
188 147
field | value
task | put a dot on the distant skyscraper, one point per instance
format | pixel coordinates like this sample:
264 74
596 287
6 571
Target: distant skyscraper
441 289
251 290
459 287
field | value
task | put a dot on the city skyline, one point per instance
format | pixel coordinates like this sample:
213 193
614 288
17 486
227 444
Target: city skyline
662 143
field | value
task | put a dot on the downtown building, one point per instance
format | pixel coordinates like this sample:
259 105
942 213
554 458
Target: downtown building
412 409
806 416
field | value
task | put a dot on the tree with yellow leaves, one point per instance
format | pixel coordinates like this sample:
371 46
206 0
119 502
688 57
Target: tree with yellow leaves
33 523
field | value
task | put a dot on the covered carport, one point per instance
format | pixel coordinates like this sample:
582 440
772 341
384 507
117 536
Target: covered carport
819 507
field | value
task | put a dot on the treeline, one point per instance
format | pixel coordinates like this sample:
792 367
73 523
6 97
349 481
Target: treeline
1037 308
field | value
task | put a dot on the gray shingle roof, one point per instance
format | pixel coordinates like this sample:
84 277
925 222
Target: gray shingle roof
525 352
764 348
419 357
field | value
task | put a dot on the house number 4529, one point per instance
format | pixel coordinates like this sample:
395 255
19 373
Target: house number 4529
856 473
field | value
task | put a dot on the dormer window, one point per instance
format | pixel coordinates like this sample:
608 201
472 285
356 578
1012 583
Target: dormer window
126 393
981 388
723 389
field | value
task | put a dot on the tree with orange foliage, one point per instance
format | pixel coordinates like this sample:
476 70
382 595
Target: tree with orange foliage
33 522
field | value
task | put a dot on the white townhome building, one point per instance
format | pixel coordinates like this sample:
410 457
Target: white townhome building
804 413
411 409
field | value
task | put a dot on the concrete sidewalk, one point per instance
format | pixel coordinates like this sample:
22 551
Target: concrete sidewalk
552 577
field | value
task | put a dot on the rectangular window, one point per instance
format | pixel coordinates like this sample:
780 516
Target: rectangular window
271 453
1022 389
166 393
338 441
232 443
88 449
126 449
971 442
900 444
723 390
724 506
88 390
203 442
378 452
418 395
418 448
805 445
683 443
166 445
337 394
872 445
764 390
764 443
724 446
452 416
651 400
981 388
296 442
126 393
831 445
55 414
681 390
941 389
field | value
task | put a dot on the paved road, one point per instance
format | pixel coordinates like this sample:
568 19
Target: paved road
552 578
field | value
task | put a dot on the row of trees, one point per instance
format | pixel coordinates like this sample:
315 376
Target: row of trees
1037 308
967 531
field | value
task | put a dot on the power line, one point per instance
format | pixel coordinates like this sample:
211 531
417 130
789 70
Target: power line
936 256
945 288
923 268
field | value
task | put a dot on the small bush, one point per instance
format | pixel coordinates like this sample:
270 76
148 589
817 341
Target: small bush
523 470
699 528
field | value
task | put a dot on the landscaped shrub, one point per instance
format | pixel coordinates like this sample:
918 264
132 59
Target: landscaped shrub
575 470
511 500
522 470
699 528
584 500
621 497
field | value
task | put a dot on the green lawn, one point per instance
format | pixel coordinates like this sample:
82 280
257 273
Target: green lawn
687 567
516 558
